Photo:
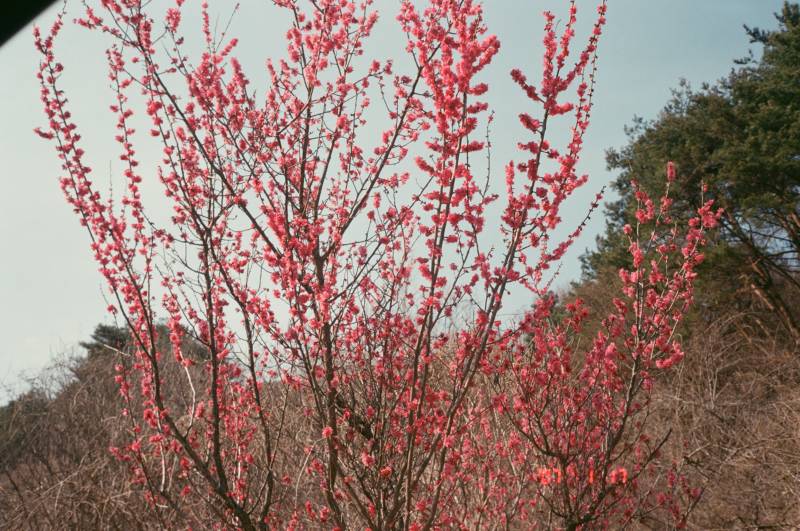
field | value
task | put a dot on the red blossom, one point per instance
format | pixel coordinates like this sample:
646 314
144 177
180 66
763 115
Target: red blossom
333 293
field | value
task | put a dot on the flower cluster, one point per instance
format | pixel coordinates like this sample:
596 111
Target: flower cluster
317 324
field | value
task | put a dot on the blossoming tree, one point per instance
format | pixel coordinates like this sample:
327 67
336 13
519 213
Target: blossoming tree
346 290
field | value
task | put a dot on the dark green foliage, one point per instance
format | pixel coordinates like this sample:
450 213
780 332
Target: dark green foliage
106 340
741 138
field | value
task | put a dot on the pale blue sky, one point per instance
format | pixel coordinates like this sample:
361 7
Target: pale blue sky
50 292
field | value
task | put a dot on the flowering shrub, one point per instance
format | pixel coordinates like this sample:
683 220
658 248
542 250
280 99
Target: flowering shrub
346 288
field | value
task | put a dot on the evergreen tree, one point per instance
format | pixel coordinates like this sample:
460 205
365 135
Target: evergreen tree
740 138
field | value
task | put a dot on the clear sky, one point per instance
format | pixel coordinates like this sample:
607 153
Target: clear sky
50 291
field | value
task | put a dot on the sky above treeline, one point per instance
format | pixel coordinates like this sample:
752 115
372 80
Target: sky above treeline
50 292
